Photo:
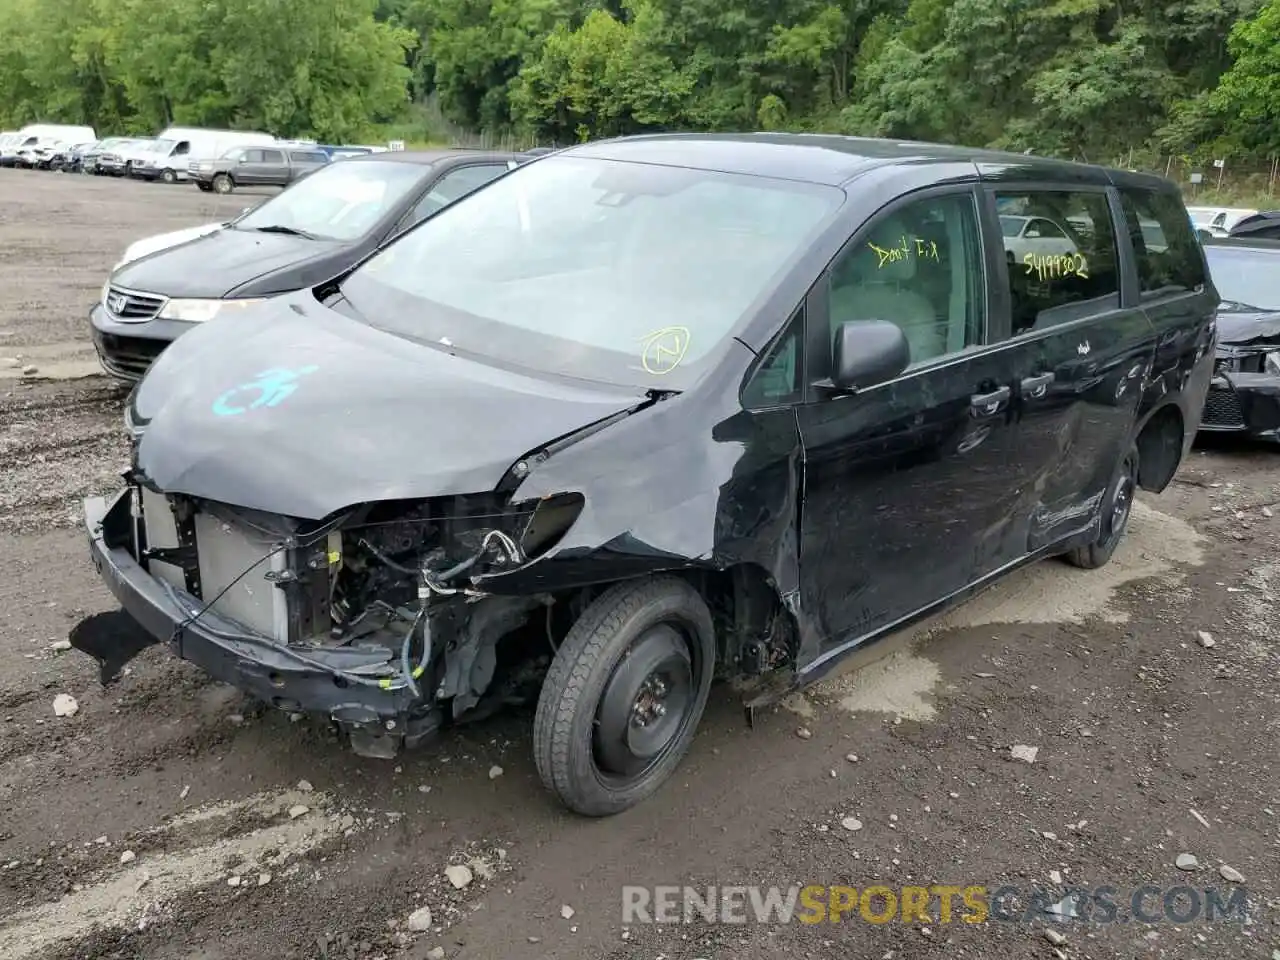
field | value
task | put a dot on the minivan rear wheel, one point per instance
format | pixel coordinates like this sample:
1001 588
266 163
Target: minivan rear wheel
223 184
624 695
1116 510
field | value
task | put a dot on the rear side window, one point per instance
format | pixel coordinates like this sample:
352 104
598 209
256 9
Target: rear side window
1060 247
1164 244
272 156
307 156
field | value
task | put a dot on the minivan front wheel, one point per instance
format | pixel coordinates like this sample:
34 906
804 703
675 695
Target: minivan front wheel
624 695
168 176
223 184
1116 510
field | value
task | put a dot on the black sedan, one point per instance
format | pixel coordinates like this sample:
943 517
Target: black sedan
312 231
1244 396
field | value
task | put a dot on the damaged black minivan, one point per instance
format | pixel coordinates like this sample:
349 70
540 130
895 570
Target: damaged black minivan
649 412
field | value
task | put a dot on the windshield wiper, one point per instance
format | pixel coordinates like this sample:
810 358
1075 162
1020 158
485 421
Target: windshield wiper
290 231
1244 307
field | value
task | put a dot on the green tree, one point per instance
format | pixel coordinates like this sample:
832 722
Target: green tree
1248 97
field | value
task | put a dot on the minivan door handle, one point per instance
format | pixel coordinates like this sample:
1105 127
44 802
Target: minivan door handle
1037 386
989 404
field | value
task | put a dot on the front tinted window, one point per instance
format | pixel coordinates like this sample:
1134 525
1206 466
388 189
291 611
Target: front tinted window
235 153
270 156
632 273
341 202
777 381
1164 243
921 268
1069 267
1246 276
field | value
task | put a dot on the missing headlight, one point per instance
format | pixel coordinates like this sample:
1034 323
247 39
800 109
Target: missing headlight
551 520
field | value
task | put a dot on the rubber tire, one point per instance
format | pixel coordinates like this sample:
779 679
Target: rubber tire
168 176
222 184
563 725
1096 554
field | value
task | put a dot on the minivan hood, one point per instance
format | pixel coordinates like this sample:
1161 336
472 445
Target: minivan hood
359 415
220 262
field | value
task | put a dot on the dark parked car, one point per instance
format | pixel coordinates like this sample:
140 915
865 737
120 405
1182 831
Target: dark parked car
1244 396
656 409
312 231
334 152
68 157
256 167
1259 226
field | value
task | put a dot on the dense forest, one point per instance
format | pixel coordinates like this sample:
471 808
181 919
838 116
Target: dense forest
1084 78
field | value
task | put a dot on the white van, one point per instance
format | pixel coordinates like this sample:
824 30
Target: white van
43 134
178 147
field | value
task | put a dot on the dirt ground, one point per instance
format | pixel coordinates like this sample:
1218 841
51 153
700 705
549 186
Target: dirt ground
168 819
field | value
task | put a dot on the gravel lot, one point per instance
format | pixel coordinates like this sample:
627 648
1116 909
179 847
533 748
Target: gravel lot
164 818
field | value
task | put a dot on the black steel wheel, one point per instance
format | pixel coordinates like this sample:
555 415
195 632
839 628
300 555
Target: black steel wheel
624 695
1116 510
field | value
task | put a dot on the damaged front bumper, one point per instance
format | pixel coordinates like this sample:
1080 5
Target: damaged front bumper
379 717
1244 395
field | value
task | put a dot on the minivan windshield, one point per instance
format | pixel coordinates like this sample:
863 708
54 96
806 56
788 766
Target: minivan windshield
341 202
624 272
1249 277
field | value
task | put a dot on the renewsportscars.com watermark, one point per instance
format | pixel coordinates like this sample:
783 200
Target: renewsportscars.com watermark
936 903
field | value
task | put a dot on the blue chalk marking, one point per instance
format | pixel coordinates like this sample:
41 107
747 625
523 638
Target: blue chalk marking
272 387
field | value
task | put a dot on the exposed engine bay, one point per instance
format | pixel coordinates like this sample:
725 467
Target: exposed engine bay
381 597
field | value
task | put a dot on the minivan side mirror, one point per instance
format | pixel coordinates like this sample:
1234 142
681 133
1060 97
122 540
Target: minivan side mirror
867 352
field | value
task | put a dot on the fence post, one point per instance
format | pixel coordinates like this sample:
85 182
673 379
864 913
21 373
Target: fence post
1271 184
1168 166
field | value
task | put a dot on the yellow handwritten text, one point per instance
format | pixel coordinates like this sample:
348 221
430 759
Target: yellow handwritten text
1056 266
663 350
902 251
